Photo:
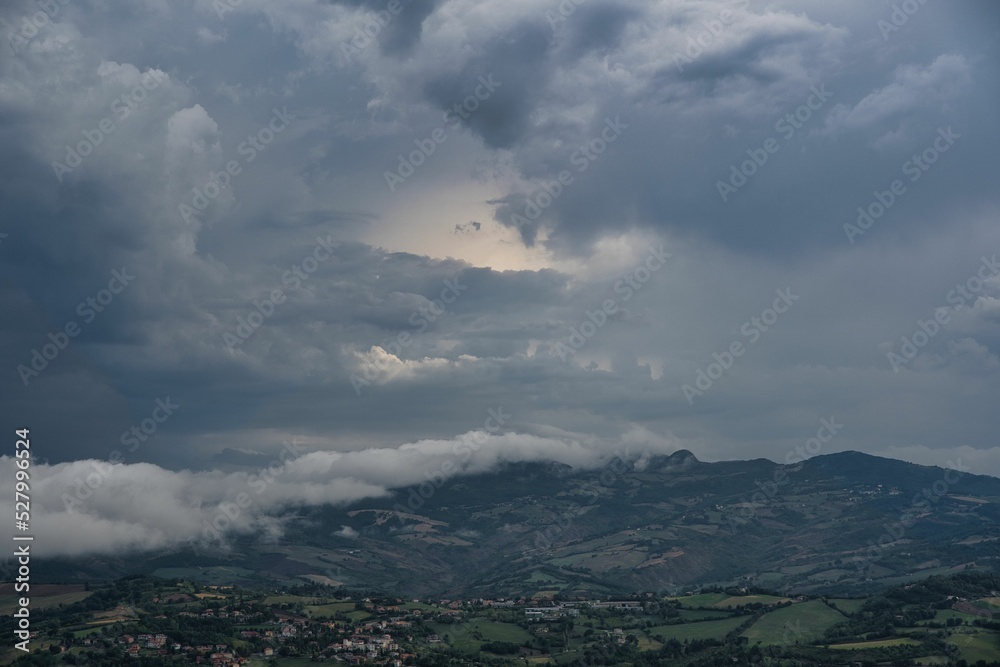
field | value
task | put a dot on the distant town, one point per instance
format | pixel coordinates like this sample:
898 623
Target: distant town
144 620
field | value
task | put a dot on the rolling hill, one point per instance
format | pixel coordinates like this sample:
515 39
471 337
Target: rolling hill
845 523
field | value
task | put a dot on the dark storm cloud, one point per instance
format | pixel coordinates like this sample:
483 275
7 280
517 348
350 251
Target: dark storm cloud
402 31
512 59
595 27
289 254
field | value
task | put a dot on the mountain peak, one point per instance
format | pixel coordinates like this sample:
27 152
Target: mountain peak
682 459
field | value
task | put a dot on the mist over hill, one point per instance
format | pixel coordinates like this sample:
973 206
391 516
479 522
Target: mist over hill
846 522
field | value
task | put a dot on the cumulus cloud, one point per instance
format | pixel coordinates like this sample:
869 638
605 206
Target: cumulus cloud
913 87
347 532
379 366
192 133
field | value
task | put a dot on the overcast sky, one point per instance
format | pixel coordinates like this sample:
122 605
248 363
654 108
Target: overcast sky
613 223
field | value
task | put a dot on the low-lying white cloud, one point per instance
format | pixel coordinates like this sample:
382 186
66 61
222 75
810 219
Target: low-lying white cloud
91 506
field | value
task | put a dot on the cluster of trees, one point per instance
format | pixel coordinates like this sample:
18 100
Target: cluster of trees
500 648
905 605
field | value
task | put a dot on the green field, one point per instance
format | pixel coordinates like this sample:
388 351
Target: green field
9 603
878 643
978 646
315 610
703 600
539 577
799 623
692 615
461 636
848 605
944 615
358 615
568 657
704 630
88 631
494 631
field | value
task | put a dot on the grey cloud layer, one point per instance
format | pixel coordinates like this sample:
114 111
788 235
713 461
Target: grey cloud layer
694 114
